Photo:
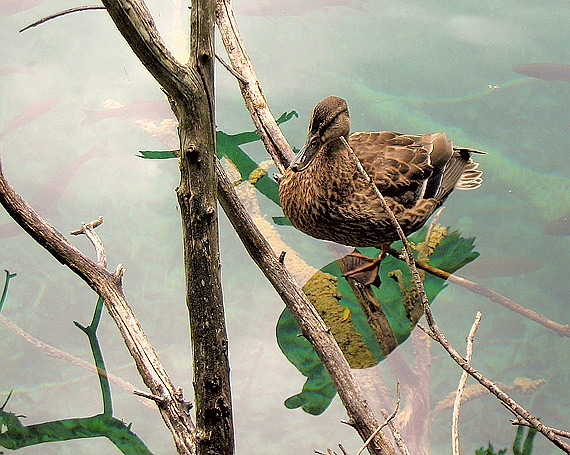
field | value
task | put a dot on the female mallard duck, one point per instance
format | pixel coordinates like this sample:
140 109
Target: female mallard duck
325 196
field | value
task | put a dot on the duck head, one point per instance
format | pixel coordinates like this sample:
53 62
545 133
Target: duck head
329 122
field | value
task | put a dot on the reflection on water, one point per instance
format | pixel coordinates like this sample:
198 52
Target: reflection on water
402 66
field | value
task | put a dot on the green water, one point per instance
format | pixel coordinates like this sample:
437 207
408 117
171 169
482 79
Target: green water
407 66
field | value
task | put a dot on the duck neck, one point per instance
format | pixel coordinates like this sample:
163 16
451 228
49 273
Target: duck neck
336 154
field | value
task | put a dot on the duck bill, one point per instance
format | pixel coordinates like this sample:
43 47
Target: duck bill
303 158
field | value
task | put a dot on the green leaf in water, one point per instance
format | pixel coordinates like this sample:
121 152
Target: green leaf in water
281 221
228 146
157 154
350 328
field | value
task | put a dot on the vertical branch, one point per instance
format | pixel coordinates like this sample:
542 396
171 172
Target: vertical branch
198 208
461 387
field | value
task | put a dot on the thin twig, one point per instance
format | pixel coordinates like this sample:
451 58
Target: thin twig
408 256
521 421
511 404
560 329
150 396
386 420
269 132
461 386
397 436
427 331
231 70
62 355
433 223
89 230
62 13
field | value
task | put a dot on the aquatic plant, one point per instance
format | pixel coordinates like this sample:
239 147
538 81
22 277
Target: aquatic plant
15 435
360 344
519 447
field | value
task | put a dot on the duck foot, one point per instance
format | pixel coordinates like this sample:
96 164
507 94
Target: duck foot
363 269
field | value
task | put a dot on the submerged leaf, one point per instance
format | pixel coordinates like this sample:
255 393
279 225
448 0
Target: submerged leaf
228 146
451 253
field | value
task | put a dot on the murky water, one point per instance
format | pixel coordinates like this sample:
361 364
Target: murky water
408 66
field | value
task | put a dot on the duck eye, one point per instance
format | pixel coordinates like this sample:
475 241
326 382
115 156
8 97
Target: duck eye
314 142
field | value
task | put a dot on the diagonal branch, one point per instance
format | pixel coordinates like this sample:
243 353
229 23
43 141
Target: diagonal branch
312 326
561 329
267 127
62 13
137 26
109 287
438 335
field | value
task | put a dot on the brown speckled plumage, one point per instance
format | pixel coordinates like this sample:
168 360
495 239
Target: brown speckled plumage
324 195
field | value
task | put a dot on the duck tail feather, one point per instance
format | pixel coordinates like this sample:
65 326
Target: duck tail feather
459 173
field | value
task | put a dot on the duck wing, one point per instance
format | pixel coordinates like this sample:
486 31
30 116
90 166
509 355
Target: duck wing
460 172
399 164
410 167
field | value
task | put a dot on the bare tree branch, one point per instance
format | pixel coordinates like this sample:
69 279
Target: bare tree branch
402 447
62 13
231 70
108 286
386 421
461 386
137 26
521 421
267 127
190 91
63 355
477 288
89 230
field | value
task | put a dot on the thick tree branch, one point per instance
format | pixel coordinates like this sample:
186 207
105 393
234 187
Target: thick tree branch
190 90
312 326
137 26
108 286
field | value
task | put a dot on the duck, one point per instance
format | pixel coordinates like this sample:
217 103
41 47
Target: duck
324 195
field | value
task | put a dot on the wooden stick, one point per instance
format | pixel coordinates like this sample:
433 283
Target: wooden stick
461 386
62 13
89 230
387 420
263 119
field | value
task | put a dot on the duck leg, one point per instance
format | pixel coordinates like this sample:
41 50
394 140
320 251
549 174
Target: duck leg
363 268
